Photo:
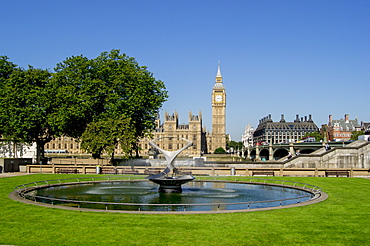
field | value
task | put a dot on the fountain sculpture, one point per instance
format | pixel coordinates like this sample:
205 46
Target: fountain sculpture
170 179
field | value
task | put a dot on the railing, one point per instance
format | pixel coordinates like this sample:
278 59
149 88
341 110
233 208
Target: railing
25 189
236 170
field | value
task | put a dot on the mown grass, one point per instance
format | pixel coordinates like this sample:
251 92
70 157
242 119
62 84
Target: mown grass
342 219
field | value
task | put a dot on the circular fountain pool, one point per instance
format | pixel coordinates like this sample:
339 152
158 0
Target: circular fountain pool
197 196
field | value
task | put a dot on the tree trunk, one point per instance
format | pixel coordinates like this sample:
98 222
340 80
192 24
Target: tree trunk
39 150
112 159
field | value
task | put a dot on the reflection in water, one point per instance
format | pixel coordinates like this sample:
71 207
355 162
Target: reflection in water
145 192
218 185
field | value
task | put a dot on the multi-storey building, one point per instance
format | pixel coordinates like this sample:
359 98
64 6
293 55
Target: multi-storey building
247 137
63 144
341 130
171 133
282 132
171 130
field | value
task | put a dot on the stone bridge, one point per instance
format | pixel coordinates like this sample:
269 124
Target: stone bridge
278 151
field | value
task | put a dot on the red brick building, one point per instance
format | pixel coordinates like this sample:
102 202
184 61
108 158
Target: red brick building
341 130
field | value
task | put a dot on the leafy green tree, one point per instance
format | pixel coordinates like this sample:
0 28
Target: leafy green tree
317 135
355 134
82 95
220 150
235 145
91 91
107 135
6 68
25 105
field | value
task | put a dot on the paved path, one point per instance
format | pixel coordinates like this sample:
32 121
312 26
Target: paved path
4 175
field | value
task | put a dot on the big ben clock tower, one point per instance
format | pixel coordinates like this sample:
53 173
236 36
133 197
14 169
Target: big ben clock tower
218 113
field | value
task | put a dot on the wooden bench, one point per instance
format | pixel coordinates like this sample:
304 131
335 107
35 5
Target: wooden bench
108 170
67 170
151 172
185 172
337 173
263 173
130 171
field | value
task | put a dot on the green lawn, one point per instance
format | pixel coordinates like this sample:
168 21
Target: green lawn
342 219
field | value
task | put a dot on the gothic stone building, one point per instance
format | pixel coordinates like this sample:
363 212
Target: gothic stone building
171 132
282 131
203 142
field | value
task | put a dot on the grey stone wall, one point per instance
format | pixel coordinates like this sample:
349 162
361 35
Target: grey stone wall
356 155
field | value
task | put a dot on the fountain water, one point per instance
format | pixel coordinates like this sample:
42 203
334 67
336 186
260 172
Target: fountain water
170 179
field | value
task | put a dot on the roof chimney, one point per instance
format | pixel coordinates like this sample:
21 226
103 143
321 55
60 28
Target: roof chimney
282 118
346 117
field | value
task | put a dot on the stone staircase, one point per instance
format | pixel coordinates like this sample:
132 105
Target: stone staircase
353 155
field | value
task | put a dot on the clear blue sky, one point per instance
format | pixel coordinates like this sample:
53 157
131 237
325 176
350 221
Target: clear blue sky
277 57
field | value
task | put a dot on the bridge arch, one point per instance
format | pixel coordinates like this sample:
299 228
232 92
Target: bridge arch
253 154
280 153
264 154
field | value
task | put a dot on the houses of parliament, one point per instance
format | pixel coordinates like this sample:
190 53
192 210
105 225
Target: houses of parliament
203 142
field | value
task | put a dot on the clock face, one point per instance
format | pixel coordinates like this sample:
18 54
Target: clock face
218 98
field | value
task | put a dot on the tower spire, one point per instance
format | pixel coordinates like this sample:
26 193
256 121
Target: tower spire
218 77
219 70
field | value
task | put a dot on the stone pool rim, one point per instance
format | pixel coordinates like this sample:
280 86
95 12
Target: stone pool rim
318 195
